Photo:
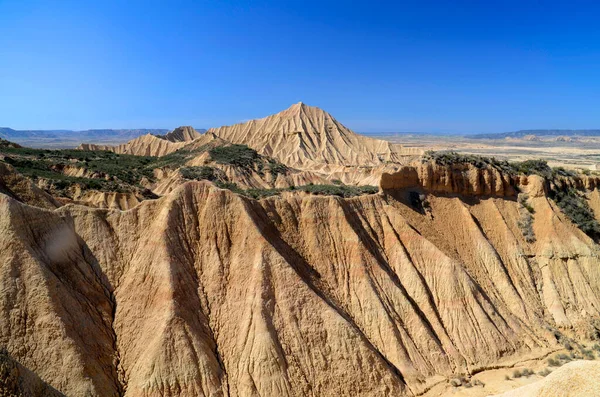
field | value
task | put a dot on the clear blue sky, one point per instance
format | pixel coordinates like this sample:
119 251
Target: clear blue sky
458 66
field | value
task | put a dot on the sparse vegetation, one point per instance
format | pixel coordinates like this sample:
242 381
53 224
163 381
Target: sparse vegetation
525 222
237 155
554 362
450 158
569 200
545 372
338 190
524 373
199 173
574 205
532 167
517 374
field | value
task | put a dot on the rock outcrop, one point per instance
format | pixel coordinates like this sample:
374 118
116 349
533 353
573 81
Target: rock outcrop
461 178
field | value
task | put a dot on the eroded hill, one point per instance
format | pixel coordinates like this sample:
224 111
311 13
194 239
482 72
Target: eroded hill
207 292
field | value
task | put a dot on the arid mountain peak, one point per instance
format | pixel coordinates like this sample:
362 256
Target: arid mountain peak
304 136
183 134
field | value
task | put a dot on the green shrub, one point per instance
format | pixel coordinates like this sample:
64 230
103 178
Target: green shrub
277 168
553 362
576 208
198 173
533 167
237 155
338 190
517 374
545 372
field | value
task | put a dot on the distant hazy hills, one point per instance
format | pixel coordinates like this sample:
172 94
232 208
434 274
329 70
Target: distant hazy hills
70 138
539 133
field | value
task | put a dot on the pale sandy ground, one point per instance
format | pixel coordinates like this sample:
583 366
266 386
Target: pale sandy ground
494 383
581 153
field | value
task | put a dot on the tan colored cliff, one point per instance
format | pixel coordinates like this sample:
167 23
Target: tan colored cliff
460 178
203 292
21 188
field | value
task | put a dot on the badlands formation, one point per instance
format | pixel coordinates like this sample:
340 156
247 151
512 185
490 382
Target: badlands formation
450 271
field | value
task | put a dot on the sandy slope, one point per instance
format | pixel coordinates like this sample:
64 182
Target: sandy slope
203 292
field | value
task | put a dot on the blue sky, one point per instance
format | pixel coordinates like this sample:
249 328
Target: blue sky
434 66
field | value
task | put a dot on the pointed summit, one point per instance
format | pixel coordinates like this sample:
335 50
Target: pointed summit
305 137
182 134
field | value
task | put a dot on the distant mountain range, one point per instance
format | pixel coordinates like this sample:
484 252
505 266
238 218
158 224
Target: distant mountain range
70 138
540 133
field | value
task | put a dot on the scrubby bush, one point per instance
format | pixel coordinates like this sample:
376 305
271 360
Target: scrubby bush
517 374
553 362
576 208
525 221
277 168
237 155
338 190
198 173
532 167
545 372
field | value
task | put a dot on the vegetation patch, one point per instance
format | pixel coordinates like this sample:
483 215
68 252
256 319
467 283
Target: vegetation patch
575 206
237 155
525 221
527 167
323 190
199 173
7 144
338 190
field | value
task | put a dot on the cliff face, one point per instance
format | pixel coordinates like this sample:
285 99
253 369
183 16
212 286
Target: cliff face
461 178
203 292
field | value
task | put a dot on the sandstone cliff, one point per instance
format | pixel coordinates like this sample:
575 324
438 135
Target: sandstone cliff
204 292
